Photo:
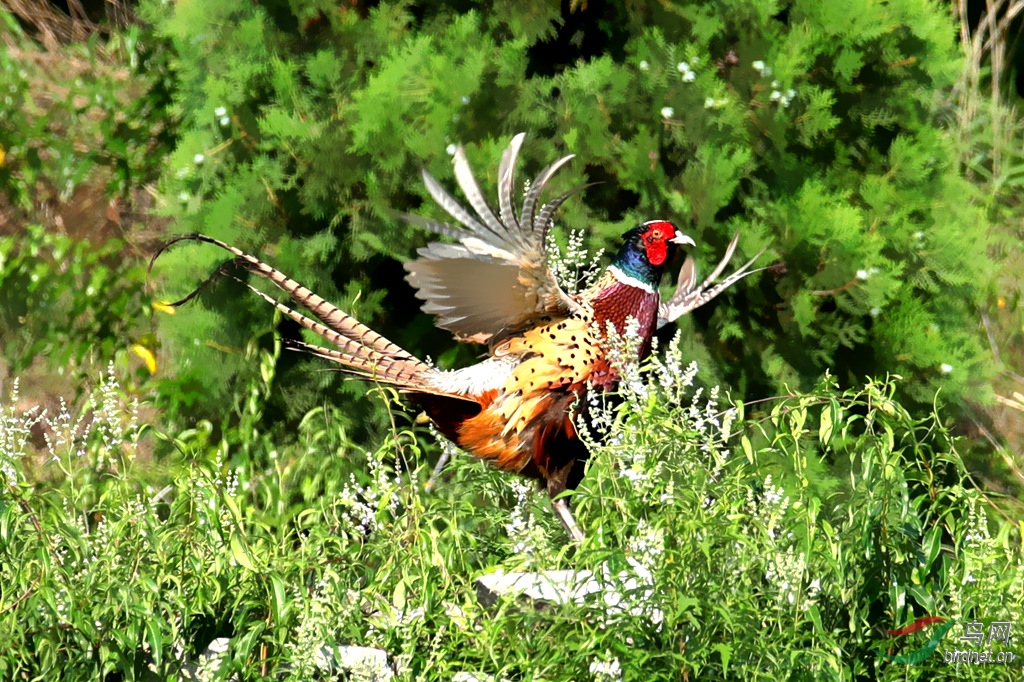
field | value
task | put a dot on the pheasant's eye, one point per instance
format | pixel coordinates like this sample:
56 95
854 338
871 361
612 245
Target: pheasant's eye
656 234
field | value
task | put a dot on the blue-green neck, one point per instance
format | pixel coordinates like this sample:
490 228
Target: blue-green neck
633 263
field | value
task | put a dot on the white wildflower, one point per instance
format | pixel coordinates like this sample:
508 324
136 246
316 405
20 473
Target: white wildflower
647 544
15 433
686 72
606 671
575 268
526 534
362 507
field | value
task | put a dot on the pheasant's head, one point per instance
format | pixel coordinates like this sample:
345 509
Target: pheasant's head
646 248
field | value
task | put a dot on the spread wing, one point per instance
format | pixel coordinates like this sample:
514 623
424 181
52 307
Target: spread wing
496 279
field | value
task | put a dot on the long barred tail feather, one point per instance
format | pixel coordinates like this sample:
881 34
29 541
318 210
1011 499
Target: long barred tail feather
328 314
403 369
532 199
359 349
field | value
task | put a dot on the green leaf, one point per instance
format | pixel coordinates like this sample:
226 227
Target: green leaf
814 613
398 597
243 646
828 419
279 599
240 552
748 449
932 545
725 651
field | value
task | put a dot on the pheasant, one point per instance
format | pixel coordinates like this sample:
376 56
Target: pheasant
494 286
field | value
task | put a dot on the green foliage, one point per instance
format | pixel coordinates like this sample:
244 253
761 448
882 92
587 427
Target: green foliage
720 548
82 129
90 114
813 128
66 299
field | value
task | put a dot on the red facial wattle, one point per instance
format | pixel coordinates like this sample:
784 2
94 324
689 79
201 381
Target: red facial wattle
656 240
657 251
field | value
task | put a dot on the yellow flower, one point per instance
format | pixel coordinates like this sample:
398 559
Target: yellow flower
164 307
147 356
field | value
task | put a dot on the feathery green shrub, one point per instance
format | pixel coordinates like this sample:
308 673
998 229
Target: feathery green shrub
817 129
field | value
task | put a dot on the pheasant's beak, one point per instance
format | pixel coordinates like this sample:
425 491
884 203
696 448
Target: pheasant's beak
682 240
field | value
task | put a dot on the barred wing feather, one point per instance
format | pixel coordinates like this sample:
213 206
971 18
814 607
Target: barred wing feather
496 279
688 296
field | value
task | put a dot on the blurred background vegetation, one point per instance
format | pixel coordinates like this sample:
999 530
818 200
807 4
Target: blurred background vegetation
877 149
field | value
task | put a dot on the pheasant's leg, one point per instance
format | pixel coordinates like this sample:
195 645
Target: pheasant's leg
442 462
564 514
557 484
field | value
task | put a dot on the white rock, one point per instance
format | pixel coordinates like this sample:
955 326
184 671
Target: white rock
362 662
546 588
473 677
207 664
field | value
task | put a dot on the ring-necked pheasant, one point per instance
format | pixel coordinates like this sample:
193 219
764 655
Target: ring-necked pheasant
495 287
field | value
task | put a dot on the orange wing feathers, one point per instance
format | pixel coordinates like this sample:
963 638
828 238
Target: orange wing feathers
557 360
